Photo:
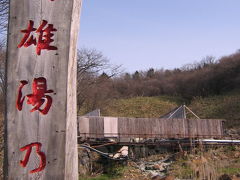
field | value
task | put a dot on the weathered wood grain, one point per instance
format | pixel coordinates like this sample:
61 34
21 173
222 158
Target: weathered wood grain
123 124
96 127
110 127
83 126
153 127
57 130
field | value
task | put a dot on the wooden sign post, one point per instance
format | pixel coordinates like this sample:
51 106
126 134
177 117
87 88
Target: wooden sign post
41 134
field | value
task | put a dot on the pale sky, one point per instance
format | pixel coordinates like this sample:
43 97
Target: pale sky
140 34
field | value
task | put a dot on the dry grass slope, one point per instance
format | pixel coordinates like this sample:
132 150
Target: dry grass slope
225 106
140 107
219 107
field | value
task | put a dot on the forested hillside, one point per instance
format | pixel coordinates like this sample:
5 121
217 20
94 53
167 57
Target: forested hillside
214 107
210 87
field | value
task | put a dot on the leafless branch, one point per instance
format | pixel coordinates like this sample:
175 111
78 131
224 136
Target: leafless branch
4 7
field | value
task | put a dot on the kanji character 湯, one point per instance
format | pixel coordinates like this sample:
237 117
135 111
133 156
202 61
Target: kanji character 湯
38 96
20 100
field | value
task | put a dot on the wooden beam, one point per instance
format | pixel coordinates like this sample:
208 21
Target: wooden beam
56 130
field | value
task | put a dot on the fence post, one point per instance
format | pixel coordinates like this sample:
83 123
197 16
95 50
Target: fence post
40 117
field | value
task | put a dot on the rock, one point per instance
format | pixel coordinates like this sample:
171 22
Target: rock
84 162
168 178
156 178
155 174
133 164
223 156
149 168
236 177
166 164
225 177
142 167
191 156
237 155
159 167
123 152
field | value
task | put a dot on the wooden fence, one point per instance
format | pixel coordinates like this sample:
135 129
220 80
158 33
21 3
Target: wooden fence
100 127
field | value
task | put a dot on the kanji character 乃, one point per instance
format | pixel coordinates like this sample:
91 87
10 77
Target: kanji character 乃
42 156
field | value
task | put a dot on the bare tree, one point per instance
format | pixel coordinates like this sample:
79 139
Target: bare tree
205 62
92 64
2 68
4 6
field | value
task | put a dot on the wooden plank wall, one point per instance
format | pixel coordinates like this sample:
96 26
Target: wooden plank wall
96 127
110 127
83 126
159 128
123 124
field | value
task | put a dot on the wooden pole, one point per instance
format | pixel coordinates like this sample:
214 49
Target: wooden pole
40 117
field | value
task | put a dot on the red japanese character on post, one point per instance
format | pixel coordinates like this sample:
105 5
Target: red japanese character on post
26 41
42 156
44 37
20 100
38 96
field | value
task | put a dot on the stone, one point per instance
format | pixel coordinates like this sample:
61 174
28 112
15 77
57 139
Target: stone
225 177
156 177
142 167
84 162
154 174
159 167
168 178
236 177
237 155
